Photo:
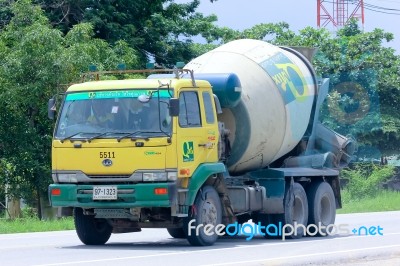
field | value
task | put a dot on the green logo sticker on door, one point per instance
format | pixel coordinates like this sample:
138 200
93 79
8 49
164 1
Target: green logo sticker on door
188 151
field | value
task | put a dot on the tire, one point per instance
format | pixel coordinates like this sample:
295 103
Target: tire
296 211
176 232
91 231
206 210
322 206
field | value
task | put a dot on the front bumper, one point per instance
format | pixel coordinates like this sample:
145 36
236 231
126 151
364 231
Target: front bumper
129 196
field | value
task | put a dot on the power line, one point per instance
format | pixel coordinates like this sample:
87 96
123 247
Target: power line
383 12
389 1
375 8
381 7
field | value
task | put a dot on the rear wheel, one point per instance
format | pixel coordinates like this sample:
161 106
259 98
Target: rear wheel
206 213
322 206
91 231
176 232
296 212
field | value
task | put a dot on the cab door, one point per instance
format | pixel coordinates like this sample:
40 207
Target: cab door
195 145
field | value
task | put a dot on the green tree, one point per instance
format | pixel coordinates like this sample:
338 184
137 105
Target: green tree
5 13
159 29
36 61
365 87
270 32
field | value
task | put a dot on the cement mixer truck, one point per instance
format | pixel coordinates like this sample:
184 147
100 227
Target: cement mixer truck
232 138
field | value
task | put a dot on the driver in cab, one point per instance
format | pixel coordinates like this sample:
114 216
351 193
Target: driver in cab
101 113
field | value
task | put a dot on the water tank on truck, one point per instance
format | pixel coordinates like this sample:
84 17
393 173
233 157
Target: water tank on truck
273 110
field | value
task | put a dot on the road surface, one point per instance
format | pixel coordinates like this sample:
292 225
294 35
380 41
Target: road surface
156 247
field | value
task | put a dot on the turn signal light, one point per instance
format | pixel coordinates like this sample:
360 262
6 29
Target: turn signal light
184 171
56 192
161 191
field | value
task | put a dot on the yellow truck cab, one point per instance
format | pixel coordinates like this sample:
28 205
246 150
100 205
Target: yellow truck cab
116 154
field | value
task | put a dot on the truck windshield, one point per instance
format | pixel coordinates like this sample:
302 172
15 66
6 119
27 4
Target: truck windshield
110 114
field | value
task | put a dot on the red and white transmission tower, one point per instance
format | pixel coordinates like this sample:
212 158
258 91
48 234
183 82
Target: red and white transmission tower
338 12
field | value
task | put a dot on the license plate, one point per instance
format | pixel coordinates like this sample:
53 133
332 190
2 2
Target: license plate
105 193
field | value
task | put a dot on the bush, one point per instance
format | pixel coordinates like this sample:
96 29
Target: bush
365 180
29 212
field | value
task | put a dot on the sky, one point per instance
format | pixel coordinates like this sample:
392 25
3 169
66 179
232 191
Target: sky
242 14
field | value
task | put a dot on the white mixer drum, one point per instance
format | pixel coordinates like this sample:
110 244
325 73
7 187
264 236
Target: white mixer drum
278 91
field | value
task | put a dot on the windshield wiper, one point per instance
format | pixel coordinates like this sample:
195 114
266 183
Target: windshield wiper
71 136
129 135
166 133
135 137
99 135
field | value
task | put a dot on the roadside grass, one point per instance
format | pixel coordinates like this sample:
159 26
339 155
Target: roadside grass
383 200
364 192
24 225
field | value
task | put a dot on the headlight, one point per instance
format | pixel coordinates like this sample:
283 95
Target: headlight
67 178
171 176
159 176
154 177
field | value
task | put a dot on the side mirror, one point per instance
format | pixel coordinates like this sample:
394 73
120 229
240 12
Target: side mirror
51 108
173 107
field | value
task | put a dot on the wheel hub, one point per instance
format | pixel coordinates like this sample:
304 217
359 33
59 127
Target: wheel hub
209 213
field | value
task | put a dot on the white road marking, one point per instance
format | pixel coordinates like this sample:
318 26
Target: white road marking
231 248
32 235
305 255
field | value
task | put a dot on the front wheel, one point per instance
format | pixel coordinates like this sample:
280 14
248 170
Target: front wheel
176 232
206 214
91 231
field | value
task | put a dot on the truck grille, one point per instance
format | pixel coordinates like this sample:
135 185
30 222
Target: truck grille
108 176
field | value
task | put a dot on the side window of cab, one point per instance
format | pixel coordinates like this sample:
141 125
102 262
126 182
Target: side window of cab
208 107
189 111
